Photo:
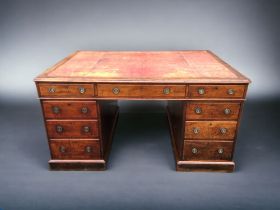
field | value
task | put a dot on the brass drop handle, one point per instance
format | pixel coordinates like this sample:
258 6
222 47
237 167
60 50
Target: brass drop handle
166 90
62 149
230 92
196 130
86 129
82 90
84 110
223 130
59 129
194 150
227 111
51 90
55 109
198 110
201 91
116 90
88 149
220 150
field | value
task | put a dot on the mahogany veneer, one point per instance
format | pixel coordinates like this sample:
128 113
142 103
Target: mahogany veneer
79 102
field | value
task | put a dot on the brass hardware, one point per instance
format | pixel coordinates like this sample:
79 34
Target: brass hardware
230 91
221 151
51 90
59 129
194 150
88 149
198 110
196 130
223 130
116 91
82 90
201 91
86 129
227 111
84 110
166 91
55 109
62 149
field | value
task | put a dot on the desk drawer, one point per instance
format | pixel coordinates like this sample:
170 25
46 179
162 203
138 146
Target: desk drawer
217 91
142 91
210 130
75 149
66 90
208 150
209 111
70 109
72 128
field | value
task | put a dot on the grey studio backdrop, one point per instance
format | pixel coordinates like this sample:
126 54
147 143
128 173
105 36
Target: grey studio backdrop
36 34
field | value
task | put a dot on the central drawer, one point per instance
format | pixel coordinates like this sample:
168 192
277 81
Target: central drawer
72 128
141 91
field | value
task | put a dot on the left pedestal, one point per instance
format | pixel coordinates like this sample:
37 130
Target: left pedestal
79 129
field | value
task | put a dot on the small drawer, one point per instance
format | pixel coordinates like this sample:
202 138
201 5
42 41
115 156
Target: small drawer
217 91
140 91
75 149
210 111
210 130
72 129
208 150
66 90
70 109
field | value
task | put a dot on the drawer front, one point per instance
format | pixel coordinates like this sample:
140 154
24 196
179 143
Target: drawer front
217 91
66 90
208 150
205 111
141 91
70 109
75 149
72 129
210 130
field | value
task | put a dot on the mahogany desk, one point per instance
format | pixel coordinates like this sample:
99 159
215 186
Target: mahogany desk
79 103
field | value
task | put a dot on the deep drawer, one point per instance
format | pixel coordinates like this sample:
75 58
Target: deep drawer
72 128
208 150
209 111
70 109
65 90
217 91
210 130
75 149
141 91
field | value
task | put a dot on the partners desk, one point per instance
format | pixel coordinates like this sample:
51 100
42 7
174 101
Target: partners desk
79 102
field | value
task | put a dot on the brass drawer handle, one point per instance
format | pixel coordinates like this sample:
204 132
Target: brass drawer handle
86 129
198 110
223 130
220 150
88 149
194 150
51 90
116 90
201 91
55 109
230 92
196 130
82 90
227 111
166 91
59 129
62 149
84 110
